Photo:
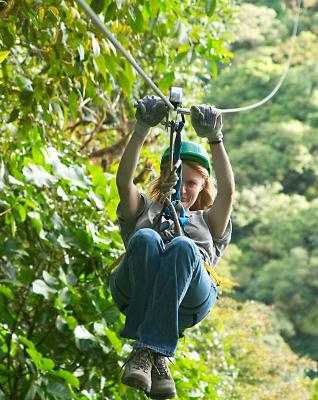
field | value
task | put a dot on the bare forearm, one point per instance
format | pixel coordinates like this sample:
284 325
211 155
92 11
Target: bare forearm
129 160
223 170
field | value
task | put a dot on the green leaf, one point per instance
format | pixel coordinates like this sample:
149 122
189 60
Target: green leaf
22 212
31 393
13 225
125 83
166 81
14 114
68 377
102 66
59 391
7 292
214 68
13 181
62 241
37 223
73 103
97 200
41 363
38 175
73 175
3 55
27 342
54 11
112 337
98 5
64 296
2 171
111 11
50 279
210 6
98 176
153 8
60 192
111 208
96 47
40 287
81 332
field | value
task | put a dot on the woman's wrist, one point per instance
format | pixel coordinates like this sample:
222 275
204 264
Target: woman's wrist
218 141
141 129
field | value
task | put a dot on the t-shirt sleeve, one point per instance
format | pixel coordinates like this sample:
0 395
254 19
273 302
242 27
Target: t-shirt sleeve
219 243
128 225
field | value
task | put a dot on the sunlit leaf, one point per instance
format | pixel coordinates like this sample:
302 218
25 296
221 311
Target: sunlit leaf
3 55
22 212
54 11
49 279
166 81
68 377
81 51
81 332
7 292
112 337
38 175
40 287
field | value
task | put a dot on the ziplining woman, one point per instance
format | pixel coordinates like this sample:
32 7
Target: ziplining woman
161 285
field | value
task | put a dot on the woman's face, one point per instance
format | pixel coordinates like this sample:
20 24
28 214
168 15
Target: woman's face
192 184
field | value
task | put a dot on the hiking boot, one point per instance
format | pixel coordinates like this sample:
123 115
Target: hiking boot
137 370
162 386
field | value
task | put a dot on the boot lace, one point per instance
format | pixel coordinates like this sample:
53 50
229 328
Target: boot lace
161 366
141 359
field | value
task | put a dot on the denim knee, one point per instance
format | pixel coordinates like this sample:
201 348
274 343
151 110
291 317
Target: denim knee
186 245
144 236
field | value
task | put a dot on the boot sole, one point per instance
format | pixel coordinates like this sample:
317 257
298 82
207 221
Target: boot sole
135 383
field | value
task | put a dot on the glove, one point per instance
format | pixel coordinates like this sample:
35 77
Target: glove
150 111
207 122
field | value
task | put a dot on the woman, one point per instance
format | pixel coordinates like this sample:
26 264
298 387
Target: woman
161 285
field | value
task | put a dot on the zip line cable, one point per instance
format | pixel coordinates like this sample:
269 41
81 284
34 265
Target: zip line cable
119 47
96 20
281 79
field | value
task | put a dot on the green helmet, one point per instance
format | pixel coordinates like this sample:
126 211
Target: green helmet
191 151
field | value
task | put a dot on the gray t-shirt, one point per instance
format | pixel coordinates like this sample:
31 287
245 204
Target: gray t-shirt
197 229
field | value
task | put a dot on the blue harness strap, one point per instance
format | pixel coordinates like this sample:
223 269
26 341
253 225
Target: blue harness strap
176 196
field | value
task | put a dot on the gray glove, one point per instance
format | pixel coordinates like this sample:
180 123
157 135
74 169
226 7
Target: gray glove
207 122
150 111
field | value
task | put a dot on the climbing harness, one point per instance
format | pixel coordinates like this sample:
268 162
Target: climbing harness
181 110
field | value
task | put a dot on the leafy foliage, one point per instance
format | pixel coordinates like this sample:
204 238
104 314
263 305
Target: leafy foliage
274 153
67 97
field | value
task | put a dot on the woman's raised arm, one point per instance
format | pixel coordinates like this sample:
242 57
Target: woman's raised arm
207 122
150 111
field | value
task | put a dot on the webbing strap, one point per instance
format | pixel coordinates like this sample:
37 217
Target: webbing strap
212 272
177 196
177 156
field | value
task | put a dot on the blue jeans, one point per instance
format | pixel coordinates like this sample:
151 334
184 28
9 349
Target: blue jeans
161 289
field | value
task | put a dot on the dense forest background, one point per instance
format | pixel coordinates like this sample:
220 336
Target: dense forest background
66 99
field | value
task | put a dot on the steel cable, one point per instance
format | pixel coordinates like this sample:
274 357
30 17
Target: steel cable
142 73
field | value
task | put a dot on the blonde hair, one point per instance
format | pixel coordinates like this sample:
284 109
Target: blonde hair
205 197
